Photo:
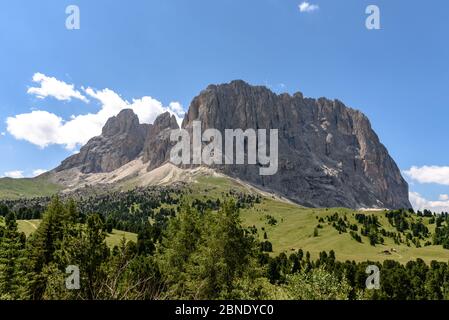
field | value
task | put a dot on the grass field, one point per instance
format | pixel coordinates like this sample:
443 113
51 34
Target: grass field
115 238
28 226
295 228
26 188
112 239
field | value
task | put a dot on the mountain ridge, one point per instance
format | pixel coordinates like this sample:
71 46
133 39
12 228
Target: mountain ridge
329 155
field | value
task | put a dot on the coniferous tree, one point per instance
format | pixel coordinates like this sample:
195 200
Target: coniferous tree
226 254
43 244
12 259
85 247
180 240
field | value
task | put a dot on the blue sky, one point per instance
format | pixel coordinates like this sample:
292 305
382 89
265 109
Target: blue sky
170 50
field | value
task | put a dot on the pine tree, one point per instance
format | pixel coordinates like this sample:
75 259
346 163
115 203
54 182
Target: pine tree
72 213
85 246
180 240
44 243
225 255
145 244
12 258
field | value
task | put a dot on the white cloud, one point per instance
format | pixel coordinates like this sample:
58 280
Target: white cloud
38 127
38 172
14 174
146 108
177 109
52 87
421 203
429 174
307 7
43 128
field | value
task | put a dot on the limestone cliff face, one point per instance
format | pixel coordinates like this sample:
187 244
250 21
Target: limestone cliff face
121 141
157 145
328 153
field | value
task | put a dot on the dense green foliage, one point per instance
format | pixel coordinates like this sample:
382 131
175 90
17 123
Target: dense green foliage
199 250
12 260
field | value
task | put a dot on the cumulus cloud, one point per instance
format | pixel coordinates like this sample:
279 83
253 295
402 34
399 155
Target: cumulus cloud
38 172
429 174
146 108
52 87
308 7
421 203
43 128
14 174
38 127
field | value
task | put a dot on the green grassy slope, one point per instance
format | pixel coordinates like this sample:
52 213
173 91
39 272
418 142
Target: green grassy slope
28 226
295 228
26 188
115 238
112 239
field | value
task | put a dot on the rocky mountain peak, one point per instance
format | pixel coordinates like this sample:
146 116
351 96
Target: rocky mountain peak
157 145
124 139
125 121
121 141
165 120
329 156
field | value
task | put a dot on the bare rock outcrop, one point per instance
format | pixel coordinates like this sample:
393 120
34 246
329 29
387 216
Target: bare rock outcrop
157 145
329 156
121 141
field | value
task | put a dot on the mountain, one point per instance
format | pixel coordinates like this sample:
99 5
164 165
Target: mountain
329 156
157 146
121 141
